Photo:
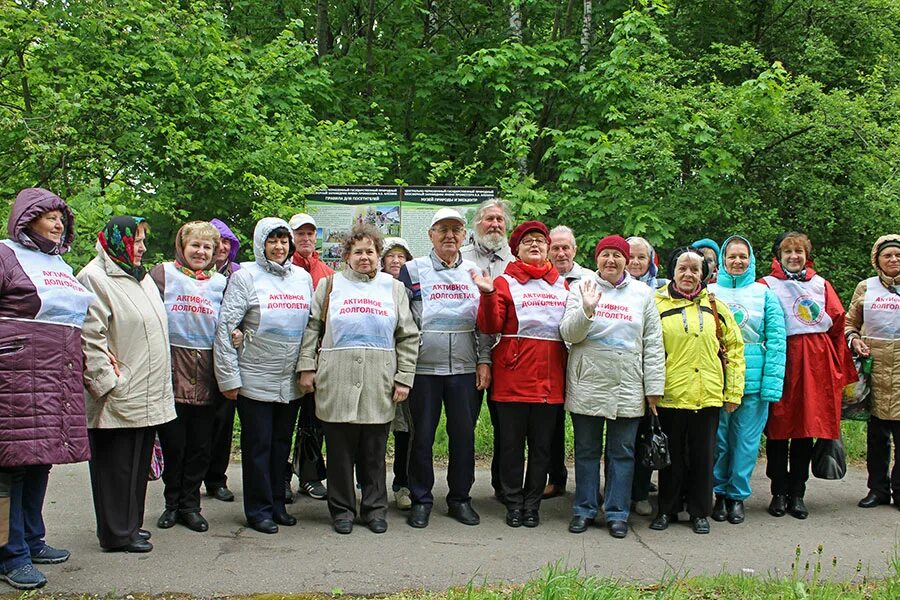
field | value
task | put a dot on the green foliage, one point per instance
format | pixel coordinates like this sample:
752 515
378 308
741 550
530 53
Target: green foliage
672 120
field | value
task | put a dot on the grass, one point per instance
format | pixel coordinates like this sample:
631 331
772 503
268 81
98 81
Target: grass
854 435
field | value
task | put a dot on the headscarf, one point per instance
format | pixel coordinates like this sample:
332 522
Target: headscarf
891 240
117 240
181 261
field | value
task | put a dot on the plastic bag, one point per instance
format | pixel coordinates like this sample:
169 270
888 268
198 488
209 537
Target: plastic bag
156 461
829 461
653 447
857 397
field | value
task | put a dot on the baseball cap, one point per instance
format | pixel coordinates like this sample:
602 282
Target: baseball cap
447 213
301 219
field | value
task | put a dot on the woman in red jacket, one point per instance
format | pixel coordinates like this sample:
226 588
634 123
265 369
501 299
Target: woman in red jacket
818 367
525 305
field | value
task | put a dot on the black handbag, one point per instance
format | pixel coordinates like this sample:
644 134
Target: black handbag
829 461
653 446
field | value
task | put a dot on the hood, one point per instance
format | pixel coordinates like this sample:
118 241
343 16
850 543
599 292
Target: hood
31 203
226 233
707 243
650 276
891 237
263 228
747 277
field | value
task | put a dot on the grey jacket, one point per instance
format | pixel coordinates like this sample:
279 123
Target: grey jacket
443 353
355 385
264 367
487 260
604 377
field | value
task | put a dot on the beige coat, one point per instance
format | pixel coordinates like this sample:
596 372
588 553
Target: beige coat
885 355
128 321
355 385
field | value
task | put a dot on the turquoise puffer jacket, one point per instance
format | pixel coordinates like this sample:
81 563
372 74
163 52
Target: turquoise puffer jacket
758 313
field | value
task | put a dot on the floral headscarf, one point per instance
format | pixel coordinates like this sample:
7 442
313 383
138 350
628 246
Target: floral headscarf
117 240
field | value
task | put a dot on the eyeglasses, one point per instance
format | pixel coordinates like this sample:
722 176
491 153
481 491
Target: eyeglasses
535 241
444 230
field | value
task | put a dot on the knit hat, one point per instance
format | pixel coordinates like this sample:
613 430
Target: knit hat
526 227
614 242
890 242
708 243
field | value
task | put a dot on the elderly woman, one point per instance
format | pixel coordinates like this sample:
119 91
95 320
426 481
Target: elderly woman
643 265
761 321
395 254
873 330
191 289
365 365
616 359
818 366
128 378
696 329
42 309
525 305
268 300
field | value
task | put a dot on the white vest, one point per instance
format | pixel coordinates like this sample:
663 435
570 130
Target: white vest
64 301
449 297
539 307
748 306
283 303
192 308
881 312
803 303
618 321
362 314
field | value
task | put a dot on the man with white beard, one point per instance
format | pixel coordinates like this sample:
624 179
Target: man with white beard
490 251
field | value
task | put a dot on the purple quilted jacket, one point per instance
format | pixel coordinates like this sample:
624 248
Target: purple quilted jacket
41 389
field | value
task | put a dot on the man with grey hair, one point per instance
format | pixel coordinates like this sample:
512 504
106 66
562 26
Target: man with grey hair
562 254
490 252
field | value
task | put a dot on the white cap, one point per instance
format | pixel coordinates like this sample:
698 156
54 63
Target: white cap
301 219
392 243
447 213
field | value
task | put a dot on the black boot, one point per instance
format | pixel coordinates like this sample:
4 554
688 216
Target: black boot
719 511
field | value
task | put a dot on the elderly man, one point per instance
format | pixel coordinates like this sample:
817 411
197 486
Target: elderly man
562 254
454 362
490 252
310 436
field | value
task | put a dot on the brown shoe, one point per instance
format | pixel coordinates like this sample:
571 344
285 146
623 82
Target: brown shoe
552 491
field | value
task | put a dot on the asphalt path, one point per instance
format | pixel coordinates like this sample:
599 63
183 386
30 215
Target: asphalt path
232 559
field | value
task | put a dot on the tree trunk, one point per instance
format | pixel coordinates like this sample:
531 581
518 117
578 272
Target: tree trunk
370 39
322 28
587 33
515 19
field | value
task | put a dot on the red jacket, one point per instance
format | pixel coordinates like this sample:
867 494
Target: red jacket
523 369
818 367
313 265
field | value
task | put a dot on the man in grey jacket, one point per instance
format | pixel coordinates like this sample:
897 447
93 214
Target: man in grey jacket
490 252
453 363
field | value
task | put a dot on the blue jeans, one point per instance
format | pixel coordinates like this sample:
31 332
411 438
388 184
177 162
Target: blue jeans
620 441
28 485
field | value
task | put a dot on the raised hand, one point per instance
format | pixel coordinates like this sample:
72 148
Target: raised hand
590 296
484 282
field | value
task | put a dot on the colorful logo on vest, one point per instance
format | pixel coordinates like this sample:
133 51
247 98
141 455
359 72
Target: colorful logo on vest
740 313
807 311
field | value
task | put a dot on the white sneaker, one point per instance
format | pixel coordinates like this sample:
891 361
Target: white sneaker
643 508
402 499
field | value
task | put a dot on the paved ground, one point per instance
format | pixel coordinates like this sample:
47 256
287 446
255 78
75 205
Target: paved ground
232 559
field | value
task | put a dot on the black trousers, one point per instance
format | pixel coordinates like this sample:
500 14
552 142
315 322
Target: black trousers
307 444
883 480
492 413
558 473
521 423
788 482
186 443
360 449
220 445
401 460
692 446
640 485
119 465
455 393
266 429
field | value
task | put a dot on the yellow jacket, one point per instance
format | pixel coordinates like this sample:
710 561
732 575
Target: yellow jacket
693 370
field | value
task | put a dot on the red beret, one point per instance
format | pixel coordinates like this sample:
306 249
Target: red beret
614 242
520 231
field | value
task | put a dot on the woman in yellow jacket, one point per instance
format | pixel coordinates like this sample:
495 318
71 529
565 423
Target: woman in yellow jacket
696 387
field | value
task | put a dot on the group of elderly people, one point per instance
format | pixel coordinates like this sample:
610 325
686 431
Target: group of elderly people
392 341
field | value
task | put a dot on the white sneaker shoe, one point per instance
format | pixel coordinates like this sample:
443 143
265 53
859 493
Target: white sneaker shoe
402 499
